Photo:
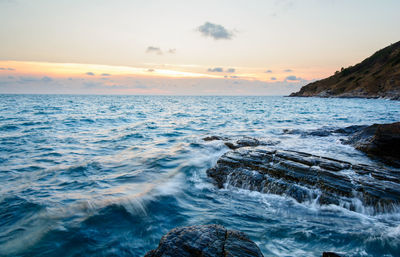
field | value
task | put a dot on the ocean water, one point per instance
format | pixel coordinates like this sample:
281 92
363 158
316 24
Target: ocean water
109 175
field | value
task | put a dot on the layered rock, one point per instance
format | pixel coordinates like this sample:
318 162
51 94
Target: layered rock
205 241
307 177
241 142
331 254
379 140
326 131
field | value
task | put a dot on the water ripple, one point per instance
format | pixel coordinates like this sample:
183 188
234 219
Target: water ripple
109 175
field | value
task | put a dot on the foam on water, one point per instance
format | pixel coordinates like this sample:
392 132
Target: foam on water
109 175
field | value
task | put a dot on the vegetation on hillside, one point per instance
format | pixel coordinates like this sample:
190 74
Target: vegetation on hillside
377 76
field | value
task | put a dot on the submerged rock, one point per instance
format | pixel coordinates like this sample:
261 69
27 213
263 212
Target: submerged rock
307 177
380 140
207 241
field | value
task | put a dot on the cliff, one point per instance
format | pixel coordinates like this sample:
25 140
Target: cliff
376 77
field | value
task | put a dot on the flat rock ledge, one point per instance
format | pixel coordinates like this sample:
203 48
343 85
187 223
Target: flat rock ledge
205 241
306 177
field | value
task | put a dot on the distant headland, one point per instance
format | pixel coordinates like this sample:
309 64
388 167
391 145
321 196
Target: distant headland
376 77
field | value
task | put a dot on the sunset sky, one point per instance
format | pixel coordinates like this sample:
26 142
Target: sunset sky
186 47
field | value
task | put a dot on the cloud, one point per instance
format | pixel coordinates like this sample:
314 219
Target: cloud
10 69
90 73
27 79
47 79
105 74
153 49
268 71
293 78
288 70
23 79
150 70
232 77
220 69
157 50
215 31
281 7
217 69
273 78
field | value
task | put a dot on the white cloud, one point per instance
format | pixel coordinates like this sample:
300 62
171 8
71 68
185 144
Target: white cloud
215 31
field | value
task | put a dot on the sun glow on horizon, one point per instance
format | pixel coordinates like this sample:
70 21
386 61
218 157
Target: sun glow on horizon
158 79
78 69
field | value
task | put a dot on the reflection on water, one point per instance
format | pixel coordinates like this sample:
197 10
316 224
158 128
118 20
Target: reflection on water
109 175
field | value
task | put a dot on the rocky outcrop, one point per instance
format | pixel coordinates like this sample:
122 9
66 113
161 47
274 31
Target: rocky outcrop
205 241
331 254
376 77
326 131
306 177
379 140
241 142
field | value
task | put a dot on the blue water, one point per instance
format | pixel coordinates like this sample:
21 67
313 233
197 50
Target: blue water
109 175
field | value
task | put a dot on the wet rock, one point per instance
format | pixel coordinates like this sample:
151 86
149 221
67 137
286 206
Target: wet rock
307 177
321 132
331 254
325 131
350 129
379 140
213 138
205 240
242 142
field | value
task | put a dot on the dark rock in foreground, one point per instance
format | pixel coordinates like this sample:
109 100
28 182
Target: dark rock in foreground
380 140
307 177
330 254
207 241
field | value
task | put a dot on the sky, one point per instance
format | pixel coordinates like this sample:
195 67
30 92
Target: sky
235 47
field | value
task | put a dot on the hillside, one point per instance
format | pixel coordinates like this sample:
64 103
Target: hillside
376 77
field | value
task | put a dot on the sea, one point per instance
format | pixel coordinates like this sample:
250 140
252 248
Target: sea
88 175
